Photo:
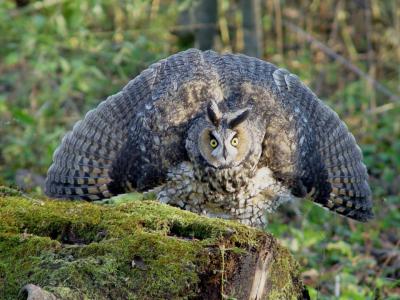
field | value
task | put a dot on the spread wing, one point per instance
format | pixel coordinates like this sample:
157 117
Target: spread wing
131 139
306 145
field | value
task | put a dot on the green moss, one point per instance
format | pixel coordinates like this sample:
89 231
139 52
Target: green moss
7 191
284 276
20 255
130 250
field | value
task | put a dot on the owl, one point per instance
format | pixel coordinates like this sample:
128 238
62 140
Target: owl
227 136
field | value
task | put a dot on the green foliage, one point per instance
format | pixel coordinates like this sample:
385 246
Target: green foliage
341 252
57 61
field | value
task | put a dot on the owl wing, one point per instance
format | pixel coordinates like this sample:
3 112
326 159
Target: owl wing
132 138
306 145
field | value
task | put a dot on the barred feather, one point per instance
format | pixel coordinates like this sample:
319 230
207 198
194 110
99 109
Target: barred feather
93 159
346 175
82 163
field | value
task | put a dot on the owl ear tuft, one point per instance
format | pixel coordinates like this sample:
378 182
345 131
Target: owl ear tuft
213 113
239 117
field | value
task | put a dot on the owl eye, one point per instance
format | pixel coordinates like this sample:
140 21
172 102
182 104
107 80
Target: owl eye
235 141
213 143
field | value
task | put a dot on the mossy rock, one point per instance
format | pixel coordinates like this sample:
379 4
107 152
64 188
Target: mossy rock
135 250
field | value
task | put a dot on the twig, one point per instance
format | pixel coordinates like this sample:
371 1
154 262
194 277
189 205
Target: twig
330 43
390 256
370 53
239 31
155 6
387 260
223 25
278 26
340 59
382 109
347 38
222 249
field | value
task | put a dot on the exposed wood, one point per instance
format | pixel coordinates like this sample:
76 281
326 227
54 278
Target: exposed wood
260 276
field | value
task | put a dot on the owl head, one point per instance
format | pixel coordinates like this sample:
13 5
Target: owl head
221 140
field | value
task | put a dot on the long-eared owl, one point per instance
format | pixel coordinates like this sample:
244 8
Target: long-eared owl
223 135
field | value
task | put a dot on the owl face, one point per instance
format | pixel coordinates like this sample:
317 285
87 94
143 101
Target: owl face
225 141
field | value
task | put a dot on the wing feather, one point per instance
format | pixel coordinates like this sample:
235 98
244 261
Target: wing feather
126 142
332 152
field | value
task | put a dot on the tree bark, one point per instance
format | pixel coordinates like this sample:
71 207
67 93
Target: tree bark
206 14
252 27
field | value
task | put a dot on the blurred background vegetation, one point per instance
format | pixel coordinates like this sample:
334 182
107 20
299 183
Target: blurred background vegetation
60 58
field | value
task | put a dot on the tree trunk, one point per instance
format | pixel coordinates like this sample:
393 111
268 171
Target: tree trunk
206 14
135 249
252 27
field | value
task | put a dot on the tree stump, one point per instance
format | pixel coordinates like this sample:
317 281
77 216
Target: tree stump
135 250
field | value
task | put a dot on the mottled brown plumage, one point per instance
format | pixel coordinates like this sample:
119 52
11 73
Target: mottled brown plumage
224 135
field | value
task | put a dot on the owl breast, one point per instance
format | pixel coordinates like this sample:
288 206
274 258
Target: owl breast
242 193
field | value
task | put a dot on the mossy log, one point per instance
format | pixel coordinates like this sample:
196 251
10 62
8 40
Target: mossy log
135 250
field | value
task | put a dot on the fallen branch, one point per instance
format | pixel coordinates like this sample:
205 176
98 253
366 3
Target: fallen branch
340 59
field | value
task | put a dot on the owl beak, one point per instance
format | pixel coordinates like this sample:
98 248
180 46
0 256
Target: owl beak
225 153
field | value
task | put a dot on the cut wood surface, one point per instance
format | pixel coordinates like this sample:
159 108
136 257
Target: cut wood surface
137 249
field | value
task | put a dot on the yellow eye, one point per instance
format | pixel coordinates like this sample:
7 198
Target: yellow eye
213 143
235 141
